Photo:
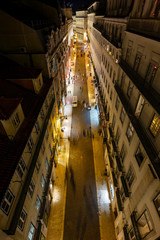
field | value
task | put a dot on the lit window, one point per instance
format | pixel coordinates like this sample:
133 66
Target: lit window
21 167
15 120
130 176
139 156
42 181
7 202
144 224
155 125
31 188
129 132
37 203
31 232
22 219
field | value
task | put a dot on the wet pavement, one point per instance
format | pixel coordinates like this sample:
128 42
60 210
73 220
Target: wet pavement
82 209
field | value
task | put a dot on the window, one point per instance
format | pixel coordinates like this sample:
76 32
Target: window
46 163
37 128
117 135
137 62
42 114
37 203
122 153
43 148
31 188
15 120
152 69
45 218
122 115
130 176
50 149
132 234
7 202
139 107
139 156
30 144
157 203
47 134
122 80
110 72
155 125
22 219
122 195
128 53
129 132
111 95
42 181
38 165
31 232
21 167
113 122
129 90
108 68
46 104
117 103
144 224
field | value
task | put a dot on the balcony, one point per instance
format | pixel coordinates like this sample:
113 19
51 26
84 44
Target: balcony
110 131
114 146
108 147
125 187
111 161
119 200
145 27
125 232
144 87
134 223
148 146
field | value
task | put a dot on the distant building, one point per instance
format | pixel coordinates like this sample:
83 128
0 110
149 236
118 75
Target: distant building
125 50
81 25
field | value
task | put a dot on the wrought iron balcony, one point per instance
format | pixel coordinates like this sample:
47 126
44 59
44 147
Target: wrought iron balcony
148 146
134 223
111 161
110 131
144 87
125 187
108 147
126 236
119 200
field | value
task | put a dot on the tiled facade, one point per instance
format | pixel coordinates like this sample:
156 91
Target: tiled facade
126 58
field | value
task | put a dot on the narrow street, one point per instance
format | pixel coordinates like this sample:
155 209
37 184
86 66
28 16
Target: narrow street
82 210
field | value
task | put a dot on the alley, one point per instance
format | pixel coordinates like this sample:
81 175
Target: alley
83 204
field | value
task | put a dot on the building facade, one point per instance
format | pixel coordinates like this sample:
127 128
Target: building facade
81 25
125 54
34 53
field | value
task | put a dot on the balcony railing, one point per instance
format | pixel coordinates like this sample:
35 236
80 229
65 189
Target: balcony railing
134 223
144 87
119 165
111 132
111 161
148 146
119 200
114 179
125 187
126 236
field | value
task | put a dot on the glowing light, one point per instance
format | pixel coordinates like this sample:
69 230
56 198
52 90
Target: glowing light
56 195
110 52
155 67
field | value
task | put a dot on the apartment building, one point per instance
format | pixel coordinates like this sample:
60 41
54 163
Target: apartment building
81 25
34 53
126 58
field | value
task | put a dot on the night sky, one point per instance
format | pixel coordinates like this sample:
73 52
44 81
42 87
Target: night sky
77 4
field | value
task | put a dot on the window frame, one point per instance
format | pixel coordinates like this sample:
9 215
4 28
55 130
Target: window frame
31 188
117 103
32 233
143 213
157 132
129 129
39 206
154 201
122 115
21 169
7 202
16 120
130 176
136 155
22 220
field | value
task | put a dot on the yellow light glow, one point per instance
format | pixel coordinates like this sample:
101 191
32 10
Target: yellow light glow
56 195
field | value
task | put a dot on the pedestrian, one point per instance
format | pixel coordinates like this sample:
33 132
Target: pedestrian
84 133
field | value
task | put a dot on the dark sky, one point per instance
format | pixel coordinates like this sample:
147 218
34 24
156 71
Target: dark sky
77 4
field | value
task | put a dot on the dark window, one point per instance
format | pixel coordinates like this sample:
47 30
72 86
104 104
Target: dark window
130 89
122 115
114 74
130 176
117 103
129 132
137 62
46 163
152 69
22 219
111 95
7 202
117 136
122 153
108 88
21 167
122 80
128 53
144 224
157 203
122 194
15 120
31 188
132 235
139 156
